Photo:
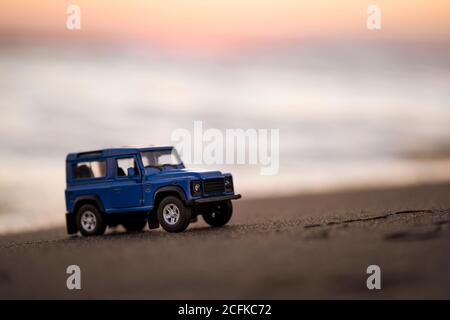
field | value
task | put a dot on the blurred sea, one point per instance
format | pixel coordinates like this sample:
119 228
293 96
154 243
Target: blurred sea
350 114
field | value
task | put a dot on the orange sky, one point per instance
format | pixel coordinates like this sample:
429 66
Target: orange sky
225 23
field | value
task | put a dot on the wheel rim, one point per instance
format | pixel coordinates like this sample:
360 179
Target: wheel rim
88 220
171 213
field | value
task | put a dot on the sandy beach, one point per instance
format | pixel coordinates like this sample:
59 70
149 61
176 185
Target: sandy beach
297 247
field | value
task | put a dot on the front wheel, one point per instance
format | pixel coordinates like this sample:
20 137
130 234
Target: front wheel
173 216
219 214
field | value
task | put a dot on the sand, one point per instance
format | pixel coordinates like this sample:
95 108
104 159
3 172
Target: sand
297 247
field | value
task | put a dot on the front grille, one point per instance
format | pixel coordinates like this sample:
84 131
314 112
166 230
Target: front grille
212 186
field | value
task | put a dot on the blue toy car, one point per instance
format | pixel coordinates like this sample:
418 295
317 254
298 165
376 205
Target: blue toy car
135 185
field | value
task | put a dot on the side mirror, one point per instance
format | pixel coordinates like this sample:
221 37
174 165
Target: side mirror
130 172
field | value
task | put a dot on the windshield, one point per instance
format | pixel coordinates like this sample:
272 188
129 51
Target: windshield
161 158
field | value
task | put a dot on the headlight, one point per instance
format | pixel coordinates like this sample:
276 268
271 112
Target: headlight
228 183
196 188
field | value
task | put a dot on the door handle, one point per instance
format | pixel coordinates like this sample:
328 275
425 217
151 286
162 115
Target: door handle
117 189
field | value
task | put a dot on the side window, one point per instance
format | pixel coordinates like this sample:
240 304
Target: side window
89 169
124 164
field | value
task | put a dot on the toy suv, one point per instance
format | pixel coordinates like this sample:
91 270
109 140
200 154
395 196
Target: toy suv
134 186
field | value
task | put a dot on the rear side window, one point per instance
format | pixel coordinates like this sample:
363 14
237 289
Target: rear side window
89 169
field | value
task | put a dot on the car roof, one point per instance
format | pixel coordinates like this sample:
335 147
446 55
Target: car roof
111 152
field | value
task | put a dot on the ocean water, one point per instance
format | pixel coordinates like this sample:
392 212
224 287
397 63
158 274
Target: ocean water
349 115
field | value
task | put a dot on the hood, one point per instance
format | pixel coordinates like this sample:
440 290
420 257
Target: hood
183 173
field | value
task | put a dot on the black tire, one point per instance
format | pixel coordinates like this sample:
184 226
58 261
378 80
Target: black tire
219 214
135 225
181 217
90 221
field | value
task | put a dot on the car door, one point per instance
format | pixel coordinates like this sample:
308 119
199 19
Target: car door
126 189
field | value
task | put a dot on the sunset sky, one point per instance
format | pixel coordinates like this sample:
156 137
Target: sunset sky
224 24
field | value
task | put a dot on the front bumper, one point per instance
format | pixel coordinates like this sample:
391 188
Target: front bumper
217 199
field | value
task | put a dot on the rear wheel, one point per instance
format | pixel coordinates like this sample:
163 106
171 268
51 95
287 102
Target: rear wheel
219 214
173 216
90 221
134 225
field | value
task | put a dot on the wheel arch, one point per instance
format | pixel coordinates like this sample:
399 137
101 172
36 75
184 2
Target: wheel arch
163 192
92 199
